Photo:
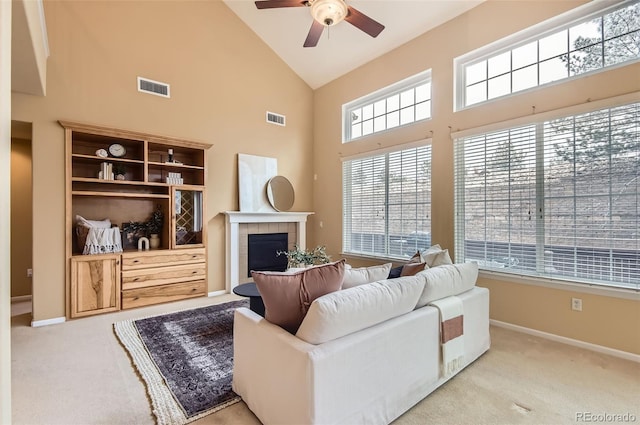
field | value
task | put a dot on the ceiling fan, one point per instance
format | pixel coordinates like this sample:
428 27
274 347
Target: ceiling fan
327 13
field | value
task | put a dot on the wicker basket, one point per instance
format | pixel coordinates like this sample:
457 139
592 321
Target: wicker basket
81 236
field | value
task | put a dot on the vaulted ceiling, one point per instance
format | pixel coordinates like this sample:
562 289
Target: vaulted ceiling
343 47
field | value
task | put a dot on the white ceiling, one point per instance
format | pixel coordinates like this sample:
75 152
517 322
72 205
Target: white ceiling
344 47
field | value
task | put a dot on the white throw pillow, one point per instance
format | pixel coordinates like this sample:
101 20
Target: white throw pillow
344 312
442 258
354 277
447 280
435 256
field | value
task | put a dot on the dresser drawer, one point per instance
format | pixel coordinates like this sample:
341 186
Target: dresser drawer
164 293
141 260
142 278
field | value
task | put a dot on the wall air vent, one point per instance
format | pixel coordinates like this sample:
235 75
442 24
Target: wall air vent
146 85
274 118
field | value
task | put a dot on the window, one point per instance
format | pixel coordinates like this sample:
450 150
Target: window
557 198
575 43
387 202
402 103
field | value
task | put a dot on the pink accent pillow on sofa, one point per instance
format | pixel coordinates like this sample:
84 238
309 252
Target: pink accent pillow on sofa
411 269
287 296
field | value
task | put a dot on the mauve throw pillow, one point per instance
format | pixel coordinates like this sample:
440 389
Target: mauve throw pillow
287 296
411 269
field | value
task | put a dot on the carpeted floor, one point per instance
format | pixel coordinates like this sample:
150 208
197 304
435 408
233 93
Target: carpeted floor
529 380
77 373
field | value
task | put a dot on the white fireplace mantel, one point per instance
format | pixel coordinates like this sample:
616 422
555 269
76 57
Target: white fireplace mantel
232 225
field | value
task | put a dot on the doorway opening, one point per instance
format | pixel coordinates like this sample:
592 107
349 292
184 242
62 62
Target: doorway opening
21 219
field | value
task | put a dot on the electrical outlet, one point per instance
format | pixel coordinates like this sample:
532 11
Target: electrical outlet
29 272
576 304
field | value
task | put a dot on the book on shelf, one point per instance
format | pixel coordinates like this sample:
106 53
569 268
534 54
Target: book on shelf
106 171
174 178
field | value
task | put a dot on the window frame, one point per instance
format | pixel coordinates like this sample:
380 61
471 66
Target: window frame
346 249
534 33
413 81
538 278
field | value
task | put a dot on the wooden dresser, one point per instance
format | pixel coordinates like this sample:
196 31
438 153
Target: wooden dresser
154 277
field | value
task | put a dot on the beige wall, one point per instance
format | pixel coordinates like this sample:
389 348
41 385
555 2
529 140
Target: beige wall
21 212
223 79
617 319
29 59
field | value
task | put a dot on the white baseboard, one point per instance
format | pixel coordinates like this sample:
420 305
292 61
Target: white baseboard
20 298
216 293
569 341
47 322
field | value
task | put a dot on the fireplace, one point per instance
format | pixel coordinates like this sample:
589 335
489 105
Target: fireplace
239 225
263 251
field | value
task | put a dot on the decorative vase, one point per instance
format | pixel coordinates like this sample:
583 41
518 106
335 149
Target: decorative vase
154 242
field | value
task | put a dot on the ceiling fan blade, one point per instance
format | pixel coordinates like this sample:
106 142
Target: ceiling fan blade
272 4
363 22
314 34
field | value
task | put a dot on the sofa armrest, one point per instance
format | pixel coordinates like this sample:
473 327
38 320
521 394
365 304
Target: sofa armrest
271 370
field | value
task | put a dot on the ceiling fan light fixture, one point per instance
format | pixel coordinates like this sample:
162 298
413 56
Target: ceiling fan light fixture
329 12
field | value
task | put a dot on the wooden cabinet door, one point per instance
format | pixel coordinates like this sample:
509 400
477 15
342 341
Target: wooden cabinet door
95 284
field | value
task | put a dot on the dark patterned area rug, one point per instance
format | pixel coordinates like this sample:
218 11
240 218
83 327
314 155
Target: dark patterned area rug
185 359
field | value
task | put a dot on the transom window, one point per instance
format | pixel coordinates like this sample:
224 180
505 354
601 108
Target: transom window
387 202
399 104
557 198
590 42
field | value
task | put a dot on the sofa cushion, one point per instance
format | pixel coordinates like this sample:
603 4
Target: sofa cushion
435 256
287 296
395 272
431 257
417 258
358 276
447 280
411 269
344 312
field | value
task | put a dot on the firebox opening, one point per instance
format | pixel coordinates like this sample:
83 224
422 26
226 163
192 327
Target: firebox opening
262 252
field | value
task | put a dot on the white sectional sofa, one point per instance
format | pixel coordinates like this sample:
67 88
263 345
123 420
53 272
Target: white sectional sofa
362 355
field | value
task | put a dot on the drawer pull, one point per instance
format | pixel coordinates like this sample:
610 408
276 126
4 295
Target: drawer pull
136 279
194 272
136 261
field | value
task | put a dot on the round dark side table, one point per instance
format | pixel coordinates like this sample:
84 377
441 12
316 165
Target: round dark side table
250 290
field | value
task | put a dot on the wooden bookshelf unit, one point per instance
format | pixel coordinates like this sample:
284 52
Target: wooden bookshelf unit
154 173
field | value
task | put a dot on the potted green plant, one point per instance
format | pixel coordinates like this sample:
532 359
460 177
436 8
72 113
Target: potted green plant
298 257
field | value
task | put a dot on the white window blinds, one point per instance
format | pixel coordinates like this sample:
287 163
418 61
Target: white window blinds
387 203
557 198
